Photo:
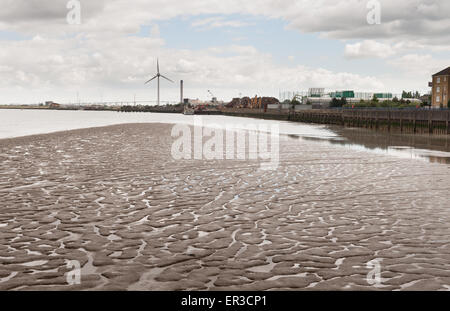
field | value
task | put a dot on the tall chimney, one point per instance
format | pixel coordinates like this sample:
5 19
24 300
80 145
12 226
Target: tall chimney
181 91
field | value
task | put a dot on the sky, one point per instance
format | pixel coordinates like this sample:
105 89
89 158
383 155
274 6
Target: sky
229 47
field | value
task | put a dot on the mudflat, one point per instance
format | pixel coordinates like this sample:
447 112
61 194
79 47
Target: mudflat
116 201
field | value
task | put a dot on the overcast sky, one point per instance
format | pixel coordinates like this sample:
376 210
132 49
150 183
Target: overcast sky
226 46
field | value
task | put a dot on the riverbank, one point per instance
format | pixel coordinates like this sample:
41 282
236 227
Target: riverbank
113 199
432 122
416 122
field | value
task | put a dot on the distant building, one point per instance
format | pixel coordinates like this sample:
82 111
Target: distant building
316 92
52 105
193 102
426 99
440 87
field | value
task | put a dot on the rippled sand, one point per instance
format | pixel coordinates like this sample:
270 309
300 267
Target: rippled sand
115 200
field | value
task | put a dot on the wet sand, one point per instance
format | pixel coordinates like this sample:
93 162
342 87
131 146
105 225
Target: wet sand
115 200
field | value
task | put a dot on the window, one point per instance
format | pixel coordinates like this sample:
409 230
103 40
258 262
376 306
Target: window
445 98
445 79
438 98
438 89
438 80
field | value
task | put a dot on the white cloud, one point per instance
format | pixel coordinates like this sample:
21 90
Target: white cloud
422 20
419 64
100 53
121 67
368 48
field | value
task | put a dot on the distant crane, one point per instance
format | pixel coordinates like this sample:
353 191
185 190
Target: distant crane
158 75
213 98
210 93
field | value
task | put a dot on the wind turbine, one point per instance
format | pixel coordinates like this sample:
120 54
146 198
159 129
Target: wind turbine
158 75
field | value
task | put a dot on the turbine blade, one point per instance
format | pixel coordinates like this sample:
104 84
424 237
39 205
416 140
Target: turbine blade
157 64
167 78
151 79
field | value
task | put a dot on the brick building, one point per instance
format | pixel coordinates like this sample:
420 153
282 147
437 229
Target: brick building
440 88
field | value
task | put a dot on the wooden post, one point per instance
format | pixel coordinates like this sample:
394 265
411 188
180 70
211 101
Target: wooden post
376 120
448 122
415 120
430 125
389 120
401 121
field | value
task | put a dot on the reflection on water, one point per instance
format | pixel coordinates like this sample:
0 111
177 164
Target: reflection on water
14 123
429 148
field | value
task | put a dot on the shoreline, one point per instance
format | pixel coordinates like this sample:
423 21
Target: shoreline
359 118
74 131
355 138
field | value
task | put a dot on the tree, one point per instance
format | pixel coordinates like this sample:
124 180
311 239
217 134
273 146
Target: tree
395 100
338 103
407 94
335 103
295 102
375 99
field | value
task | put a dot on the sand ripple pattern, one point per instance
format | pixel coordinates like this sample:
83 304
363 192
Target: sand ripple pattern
115 200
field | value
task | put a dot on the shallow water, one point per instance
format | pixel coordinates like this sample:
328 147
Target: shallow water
435 149
16 123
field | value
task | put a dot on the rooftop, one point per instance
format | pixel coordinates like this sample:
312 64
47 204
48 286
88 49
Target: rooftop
443 72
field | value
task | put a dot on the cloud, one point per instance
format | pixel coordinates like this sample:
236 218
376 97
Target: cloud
21 14
103 53
420 64
367 49
401 18
425 22
44 65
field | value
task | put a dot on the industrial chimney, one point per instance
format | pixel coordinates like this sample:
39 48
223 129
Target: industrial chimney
181 91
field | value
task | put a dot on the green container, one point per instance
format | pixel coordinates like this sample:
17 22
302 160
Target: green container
345 94
348 94
383 95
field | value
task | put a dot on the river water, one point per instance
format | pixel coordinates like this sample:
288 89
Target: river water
16 123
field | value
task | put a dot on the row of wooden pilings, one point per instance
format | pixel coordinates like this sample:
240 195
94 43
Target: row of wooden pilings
403 121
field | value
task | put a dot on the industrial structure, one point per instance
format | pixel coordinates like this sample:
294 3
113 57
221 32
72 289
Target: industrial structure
181 91
318 96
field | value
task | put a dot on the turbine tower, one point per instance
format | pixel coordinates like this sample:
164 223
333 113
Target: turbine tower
158 75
